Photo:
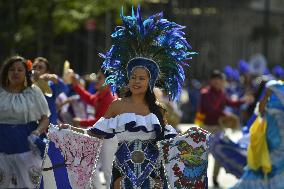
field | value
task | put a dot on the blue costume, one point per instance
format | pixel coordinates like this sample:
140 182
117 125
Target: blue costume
274 115
137 155
56 88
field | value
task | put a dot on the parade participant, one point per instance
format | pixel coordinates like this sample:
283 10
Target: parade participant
68 103
265 157
146 54
51 86
23 117
245 76
100 100
42 69
223 147
211 110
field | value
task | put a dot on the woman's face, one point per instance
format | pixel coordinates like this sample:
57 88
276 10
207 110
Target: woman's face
17 74
139 81
217 84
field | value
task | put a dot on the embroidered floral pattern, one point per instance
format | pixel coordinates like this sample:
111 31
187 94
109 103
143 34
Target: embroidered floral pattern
185 156
80 153
166 148
187 177
197 134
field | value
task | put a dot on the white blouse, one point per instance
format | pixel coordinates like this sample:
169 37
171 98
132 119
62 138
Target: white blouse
20 108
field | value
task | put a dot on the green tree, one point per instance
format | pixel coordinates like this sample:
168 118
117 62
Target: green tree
30 27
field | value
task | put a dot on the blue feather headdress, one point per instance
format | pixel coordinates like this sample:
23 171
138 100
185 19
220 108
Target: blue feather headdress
155 44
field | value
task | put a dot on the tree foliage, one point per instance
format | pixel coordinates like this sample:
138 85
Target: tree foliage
29 27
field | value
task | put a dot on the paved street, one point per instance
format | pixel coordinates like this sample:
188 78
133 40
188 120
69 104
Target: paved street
225 180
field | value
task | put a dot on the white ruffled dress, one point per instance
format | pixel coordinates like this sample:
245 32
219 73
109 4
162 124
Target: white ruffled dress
127 129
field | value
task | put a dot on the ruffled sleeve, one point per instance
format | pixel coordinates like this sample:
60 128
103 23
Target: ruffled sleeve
170 132
130 122
102 127
41 105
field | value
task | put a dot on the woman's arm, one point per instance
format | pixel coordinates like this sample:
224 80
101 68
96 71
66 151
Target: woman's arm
110 113
79 130
263 101
42 126
85 95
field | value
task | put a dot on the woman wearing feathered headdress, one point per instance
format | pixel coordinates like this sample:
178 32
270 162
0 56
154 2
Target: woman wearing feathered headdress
144 54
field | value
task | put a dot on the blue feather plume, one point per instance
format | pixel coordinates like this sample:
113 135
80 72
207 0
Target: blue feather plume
155 38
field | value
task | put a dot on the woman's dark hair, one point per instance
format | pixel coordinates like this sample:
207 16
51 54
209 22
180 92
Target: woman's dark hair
217 74
154 108
9 63
105 72
258 94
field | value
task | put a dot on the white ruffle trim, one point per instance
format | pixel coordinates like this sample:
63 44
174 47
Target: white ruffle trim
120 123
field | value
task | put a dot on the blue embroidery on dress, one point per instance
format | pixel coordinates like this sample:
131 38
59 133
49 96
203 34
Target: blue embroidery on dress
193 172
138 173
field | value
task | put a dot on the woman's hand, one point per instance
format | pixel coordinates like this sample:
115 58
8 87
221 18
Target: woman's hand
42 126
36 132
72 128
76 122
49 77
64 126
74 79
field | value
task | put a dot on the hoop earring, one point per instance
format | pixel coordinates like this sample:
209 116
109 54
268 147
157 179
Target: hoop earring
25 82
